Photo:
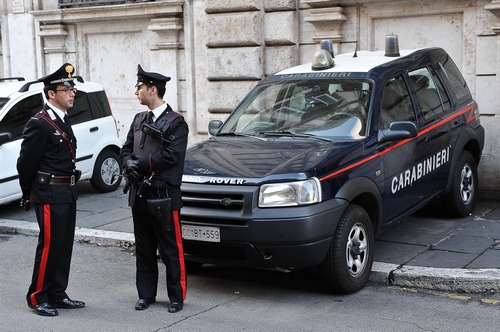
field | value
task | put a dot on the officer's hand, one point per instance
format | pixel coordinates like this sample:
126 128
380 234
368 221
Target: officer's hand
78 175
134 176
131 165
25 202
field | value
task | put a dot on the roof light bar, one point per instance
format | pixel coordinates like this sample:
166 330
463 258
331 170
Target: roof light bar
391 46
323 58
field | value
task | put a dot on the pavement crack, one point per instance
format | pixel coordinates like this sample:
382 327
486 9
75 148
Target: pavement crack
390 276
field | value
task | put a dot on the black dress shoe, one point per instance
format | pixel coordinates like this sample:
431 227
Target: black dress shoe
67 303
144 303
44 309
175 307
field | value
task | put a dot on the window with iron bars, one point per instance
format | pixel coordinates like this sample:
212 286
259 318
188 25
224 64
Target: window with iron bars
88 3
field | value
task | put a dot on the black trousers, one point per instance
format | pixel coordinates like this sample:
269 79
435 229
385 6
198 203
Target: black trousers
53 252
150 238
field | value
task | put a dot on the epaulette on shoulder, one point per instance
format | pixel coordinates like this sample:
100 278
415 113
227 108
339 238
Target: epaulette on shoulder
38 115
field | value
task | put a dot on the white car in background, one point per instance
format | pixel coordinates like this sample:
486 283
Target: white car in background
98 144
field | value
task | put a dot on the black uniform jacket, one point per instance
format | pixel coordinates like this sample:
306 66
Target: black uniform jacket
166 159
44 149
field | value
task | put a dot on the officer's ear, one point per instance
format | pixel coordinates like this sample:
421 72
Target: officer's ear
51 94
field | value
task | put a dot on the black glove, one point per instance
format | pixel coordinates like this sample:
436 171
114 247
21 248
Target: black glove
78 175
131 165
25 202
134 176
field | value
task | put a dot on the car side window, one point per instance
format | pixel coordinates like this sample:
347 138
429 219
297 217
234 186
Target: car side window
430 93
457 82
99 104
15 120
80 112
396 103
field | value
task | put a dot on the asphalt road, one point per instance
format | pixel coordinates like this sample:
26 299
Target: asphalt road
221 299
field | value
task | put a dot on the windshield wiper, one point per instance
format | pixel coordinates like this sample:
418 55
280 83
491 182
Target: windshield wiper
294 134
235 133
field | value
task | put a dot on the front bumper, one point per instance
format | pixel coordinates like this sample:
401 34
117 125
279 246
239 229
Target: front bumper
289 238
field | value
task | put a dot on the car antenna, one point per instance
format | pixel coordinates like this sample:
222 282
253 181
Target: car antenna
355 55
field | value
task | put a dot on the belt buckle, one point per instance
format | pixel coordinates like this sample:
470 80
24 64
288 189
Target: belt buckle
72 180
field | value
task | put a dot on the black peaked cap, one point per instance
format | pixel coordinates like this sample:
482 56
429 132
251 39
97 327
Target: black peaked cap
151 78
62 76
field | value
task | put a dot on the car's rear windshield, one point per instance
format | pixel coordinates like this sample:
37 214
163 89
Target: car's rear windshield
328 108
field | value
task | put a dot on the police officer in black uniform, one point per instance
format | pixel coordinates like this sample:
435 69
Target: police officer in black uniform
47 176
153 162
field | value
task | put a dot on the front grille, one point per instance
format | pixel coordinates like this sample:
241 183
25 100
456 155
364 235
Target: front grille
208 200
217 205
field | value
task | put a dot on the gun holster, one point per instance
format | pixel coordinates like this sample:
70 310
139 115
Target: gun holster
161 208
43 180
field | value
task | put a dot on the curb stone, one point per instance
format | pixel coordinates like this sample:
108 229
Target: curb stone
444 279
99 237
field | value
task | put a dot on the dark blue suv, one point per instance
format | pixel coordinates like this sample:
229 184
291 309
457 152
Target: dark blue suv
320 158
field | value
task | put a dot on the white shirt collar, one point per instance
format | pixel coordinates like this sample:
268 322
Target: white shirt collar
158 111
56 110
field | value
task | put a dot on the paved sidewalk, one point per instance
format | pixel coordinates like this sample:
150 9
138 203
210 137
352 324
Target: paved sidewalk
428 249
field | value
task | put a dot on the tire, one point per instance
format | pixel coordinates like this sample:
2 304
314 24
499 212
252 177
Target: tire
349 260
461 199
107 164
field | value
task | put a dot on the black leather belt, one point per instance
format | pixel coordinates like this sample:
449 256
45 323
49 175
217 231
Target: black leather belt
63 179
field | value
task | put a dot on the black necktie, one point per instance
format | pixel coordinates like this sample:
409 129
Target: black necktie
68 125
150 117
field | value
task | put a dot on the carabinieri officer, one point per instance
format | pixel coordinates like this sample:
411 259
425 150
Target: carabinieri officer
154 150
47 176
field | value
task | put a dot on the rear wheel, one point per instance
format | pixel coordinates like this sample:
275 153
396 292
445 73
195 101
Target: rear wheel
348 263
462 197
107 166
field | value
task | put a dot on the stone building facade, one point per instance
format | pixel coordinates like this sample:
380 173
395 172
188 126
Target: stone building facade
216 50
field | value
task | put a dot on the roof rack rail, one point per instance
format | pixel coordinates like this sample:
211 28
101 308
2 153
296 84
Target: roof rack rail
3 79
26 87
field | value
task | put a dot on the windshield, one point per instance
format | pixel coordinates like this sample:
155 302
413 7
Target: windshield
329 108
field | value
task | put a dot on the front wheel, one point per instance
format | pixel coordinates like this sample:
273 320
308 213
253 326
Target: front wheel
349 260
106 169
462 197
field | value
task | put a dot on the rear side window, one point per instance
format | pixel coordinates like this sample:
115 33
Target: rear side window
100 104
457 82
431 96
16 119
80 112
89 106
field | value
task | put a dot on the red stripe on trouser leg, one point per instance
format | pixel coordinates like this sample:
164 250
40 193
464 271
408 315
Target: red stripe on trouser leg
180 249
45 252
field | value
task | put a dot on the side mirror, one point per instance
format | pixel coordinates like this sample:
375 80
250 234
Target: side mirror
214 126
398 130
5 137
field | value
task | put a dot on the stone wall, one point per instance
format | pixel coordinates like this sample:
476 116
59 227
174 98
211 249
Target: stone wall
216 51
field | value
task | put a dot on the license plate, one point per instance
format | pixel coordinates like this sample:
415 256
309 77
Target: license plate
201 233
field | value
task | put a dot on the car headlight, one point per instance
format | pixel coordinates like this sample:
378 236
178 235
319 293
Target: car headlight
290 193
